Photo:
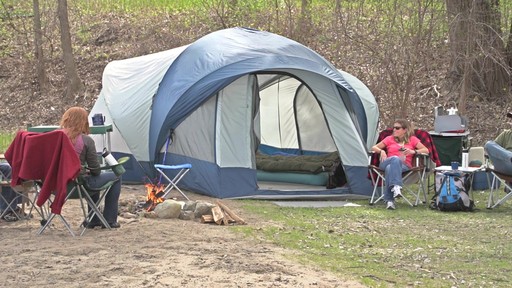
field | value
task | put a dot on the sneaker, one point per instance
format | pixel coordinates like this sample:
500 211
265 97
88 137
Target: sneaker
390 205
397 191
10 217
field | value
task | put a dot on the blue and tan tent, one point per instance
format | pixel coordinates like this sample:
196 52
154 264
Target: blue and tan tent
230 96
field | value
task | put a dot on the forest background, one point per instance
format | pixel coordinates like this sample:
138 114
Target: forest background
412 54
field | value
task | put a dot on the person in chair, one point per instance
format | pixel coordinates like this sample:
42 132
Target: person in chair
9 200
396 153
75 124
505 137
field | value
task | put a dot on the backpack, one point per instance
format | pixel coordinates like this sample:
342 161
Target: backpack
451 193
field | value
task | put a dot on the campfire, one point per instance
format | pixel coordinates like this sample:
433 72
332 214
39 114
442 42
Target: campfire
155 196
218 213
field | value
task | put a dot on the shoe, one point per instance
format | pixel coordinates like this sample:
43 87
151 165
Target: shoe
390 205
91 225
10 217
397 191
114 225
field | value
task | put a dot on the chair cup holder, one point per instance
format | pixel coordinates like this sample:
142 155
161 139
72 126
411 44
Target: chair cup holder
118 170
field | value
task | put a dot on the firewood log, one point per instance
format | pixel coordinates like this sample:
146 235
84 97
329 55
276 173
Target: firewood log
218 215
231 213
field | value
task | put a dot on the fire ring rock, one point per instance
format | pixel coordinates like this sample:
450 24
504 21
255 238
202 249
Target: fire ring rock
168 209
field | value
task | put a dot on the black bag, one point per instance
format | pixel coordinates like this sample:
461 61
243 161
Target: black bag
451 193
336 177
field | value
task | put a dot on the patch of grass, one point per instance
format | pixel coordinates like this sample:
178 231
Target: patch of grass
5 140
411 246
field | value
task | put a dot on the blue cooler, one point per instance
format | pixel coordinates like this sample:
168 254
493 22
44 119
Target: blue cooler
480 181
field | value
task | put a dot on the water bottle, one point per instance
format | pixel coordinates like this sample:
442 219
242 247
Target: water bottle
111 161
465 159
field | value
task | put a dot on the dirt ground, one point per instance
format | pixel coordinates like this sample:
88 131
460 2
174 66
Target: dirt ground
149 252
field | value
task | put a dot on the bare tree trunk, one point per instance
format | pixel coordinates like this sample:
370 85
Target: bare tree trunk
305 23
38 47
337 13
479 62
509 49
74 82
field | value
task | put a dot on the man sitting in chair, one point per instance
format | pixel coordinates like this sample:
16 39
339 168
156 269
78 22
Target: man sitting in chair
500 151
9 200
505 137
396 154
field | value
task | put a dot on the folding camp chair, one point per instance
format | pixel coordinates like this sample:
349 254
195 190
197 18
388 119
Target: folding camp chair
498 166
5 183
22 196
78 189
424 165
51 159
179 171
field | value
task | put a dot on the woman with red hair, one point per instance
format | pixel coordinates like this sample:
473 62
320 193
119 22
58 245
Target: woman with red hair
75 124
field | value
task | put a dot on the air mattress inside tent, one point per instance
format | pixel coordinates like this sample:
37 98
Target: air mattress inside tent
319 179
300 169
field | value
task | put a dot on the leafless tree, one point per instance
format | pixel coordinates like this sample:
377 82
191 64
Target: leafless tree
74 84
479 64
38 48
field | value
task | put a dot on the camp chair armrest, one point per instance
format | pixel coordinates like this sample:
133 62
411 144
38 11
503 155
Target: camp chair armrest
422 159
374 167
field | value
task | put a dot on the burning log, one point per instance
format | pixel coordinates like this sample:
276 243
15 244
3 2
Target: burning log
155 195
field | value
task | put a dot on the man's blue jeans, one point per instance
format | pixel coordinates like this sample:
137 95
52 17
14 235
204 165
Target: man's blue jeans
393 168
7 192
500 157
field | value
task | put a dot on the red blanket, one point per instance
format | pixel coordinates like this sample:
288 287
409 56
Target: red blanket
44 156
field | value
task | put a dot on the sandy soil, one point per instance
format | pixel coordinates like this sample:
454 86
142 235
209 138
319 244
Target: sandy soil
148 252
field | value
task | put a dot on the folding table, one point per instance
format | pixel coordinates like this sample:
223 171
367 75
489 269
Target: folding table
469 171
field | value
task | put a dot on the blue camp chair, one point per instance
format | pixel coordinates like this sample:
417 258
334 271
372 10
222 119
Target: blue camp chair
182 170
499 168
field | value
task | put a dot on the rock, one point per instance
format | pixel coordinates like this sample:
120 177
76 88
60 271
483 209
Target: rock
168 209
129 215
190 205
203 208
186 215
148 214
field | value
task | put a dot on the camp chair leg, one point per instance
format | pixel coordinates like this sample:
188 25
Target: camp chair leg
173 183
9 208
95 211
50 219
421 190
85 202
375 194
43 210
378 192
494 189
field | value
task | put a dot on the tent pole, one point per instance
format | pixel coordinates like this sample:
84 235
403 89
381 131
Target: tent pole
165 155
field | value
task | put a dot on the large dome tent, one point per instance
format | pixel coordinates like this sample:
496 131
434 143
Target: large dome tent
227 95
